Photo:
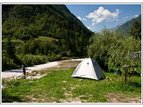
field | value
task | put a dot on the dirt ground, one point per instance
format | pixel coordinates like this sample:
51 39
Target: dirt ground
120 98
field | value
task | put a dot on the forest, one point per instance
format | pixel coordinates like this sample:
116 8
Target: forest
35 34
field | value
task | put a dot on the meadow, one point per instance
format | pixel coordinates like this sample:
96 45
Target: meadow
59 87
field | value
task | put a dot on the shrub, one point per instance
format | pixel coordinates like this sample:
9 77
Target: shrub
29 60
8 63
113 49
54 57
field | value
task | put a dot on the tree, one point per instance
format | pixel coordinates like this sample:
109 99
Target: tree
135 30
10 50
113 49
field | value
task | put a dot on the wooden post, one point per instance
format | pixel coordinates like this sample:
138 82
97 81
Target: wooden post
126 73
24 71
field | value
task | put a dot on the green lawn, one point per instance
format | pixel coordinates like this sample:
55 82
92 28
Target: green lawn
58 86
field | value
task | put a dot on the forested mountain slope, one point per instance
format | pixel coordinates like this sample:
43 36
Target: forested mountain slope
26 22
126 27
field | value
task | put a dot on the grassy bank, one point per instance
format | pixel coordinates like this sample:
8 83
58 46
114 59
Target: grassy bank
58 86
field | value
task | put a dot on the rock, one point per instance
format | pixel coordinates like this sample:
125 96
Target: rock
38 75
29 77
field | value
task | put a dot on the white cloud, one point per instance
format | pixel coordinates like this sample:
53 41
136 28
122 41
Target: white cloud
102 14
84 19
88 27
136 15
79 17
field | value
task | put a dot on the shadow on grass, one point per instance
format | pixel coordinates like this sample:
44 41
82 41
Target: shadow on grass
82 79
7 98
135 84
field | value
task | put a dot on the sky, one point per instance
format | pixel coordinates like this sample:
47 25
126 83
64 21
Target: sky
97 17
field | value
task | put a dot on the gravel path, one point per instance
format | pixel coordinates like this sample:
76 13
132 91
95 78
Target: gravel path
18 72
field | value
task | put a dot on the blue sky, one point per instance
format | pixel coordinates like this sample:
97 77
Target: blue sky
96 17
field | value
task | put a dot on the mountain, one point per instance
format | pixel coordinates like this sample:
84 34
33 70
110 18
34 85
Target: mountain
125 28
27 22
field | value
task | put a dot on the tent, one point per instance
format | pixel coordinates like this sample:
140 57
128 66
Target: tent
88 68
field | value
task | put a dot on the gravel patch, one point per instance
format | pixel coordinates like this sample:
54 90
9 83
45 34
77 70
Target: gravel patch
14 73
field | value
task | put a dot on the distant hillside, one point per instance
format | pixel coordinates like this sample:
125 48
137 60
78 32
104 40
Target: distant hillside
125 28
26 22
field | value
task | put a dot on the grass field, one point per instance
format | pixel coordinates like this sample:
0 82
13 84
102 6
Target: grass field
58 87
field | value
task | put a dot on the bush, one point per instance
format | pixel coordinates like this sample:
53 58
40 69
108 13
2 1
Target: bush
6 65
29 60
114 50
54 57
